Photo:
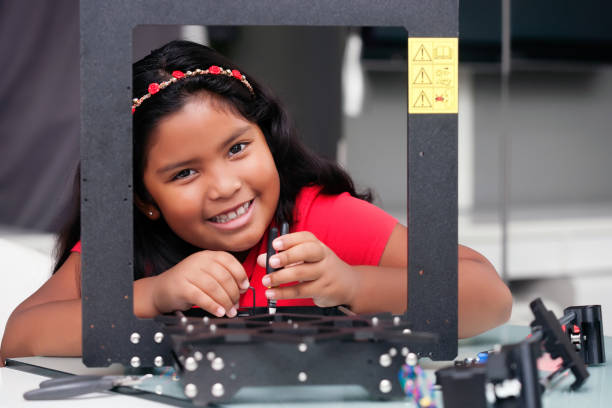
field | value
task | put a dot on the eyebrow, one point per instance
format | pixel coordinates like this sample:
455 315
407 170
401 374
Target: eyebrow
235 135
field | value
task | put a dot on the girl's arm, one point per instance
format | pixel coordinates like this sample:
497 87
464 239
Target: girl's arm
49 321
484 300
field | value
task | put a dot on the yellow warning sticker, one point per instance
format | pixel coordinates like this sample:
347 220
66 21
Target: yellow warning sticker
433 75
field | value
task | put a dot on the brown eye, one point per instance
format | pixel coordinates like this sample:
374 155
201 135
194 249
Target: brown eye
237 148
183 174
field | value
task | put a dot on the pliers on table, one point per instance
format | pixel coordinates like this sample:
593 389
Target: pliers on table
66 387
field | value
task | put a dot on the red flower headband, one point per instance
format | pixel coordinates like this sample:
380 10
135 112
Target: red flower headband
177 75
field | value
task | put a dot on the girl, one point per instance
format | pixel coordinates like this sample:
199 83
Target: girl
216 165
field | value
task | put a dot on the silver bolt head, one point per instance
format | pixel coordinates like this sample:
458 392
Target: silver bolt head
158 361
396 320
393 352
205 319
189 328
302 347
135 338
191 390
217 390
302 376
375 321
385 386
135 362
405 351
191 364
198 355
385 360
158 337
412 359
217 364
210 355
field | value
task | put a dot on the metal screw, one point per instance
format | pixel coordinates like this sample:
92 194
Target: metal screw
135 338
191 390
385 386
189 328
158 337
217 390
159 361
302 347
210 355
217 364
392 351
411 359
375 321
213 328
135 362
183 320
191 364
406 331
302 376
385 360
405 351
396 320
295 325
205 319
198 355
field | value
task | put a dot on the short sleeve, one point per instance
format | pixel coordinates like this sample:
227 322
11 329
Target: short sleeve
76 248
356 230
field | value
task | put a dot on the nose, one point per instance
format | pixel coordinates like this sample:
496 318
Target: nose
223 184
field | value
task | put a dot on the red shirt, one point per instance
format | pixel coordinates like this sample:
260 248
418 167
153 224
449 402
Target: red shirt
355 230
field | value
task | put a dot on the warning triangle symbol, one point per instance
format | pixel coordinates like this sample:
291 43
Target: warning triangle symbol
422 101
422 78
422 54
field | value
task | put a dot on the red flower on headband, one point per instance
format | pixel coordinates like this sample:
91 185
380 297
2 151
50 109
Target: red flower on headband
153 88
236 74
214 69
178 74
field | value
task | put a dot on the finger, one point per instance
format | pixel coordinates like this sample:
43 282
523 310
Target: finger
288 240
308 252
297 291
298 273
209 283
202 300
232 264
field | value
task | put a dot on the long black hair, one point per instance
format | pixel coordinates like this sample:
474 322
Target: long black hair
157 247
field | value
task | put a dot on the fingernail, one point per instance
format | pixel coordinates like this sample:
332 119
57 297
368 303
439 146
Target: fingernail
245 284
232 312
220 312
274 262
270 294
266 281
277 244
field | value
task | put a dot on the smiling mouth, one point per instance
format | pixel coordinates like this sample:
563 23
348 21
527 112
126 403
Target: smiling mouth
231 215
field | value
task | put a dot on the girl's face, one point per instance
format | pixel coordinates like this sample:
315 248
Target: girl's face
212 176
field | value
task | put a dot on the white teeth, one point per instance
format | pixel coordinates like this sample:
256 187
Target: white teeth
223 218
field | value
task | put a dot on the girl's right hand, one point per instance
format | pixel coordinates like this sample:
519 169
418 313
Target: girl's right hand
212 280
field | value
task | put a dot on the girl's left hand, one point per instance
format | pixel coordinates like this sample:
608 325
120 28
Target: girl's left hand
320 274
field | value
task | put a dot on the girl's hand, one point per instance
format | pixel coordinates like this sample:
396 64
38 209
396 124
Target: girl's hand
322 276
212 280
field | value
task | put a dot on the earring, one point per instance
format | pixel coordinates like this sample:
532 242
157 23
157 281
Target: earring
150 213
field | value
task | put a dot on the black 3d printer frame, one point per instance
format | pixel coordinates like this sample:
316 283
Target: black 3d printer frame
109 325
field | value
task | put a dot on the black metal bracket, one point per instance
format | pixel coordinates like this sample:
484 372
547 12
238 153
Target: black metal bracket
217 357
